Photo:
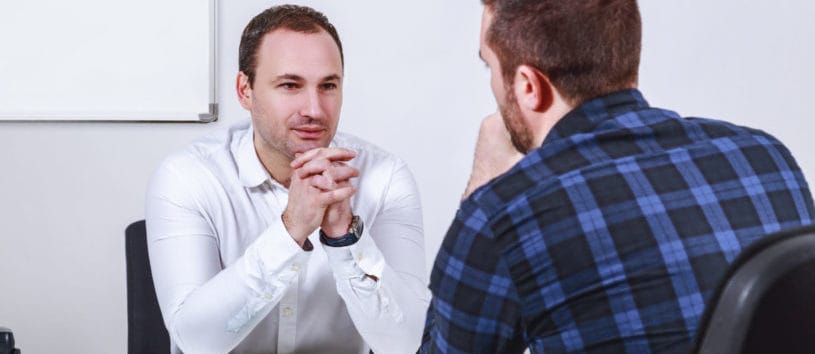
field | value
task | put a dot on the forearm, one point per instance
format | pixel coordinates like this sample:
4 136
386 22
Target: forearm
213 313
387 306
216 316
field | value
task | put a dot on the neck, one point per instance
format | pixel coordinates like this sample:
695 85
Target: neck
547 120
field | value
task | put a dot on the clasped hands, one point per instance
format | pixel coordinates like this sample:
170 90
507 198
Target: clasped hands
320 193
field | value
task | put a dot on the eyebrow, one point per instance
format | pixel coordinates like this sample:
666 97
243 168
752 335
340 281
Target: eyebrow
333 77
294 77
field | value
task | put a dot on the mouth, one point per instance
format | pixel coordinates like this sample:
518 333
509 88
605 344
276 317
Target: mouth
309 132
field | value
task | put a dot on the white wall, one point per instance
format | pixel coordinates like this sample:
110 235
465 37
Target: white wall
414 86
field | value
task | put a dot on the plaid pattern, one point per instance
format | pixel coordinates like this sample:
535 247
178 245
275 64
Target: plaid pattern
611 236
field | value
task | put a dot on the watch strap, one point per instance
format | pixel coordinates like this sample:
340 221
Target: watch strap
350 238
346 240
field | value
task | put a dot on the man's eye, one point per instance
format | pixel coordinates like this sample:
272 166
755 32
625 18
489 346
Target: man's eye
288 85
329 86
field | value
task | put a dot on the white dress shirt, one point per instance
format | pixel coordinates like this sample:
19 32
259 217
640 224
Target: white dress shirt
229 277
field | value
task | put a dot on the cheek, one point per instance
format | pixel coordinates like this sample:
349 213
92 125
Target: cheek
269 115
333 105
276 108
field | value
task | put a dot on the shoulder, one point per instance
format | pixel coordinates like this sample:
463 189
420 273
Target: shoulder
208 159
761 149
212 149
716 129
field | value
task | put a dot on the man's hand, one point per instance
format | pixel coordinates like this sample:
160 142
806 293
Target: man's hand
337 216
494 153
320 193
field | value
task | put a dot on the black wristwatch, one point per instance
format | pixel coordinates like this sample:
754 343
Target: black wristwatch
353 235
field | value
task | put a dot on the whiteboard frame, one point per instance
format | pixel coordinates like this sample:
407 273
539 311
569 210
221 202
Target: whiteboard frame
124 117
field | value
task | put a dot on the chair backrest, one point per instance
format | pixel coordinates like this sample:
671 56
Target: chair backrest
146 333
7 342
766 301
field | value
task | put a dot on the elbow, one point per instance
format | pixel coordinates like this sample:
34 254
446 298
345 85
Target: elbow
192 336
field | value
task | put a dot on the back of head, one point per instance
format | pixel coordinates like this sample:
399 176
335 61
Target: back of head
587 48
295 18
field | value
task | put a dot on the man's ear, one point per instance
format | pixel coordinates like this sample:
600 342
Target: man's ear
244 90
533 89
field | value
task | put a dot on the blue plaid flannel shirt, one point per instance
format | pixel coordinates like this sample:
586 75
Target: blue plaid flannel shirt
611 236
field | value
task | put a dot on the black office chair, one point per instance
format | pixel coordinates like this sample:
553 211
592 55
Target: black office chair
7 342
766 303
146 333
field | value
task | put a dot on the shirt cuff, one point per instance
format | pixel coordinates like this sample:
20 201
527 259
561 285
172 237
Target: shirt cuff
360 259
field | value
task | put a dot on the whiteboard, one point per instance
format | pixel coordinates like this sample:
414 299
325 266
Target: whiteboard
108 60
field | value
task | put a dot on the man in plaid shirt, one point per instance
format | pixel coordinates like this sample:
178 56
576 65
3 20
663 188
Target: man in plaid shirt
594 222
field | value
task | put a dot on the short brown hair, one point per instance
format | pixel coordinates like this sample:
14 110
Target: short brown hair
587 48
296 18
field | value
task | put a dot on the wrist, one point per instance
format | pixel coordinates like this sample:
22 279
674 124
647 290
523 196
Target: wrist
476 181
339 229
334 232
294 231
352 235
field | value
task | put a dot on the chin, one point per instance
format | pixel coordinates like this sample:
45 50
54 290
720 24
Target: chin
309 145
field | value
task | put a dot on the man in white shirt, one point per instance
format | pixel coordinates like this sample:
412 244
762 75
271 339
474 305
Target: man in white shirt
280 235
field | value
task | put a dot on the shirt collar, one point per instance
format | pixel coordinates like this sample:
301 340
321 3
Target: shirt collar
250 169
588 115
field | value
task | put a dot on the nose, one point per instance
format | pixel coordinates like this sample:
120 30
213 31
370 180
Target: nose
313 106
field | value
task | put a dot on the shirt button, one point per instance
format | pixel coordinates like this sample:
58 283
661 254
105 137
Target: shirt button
269 296
295 267
287 311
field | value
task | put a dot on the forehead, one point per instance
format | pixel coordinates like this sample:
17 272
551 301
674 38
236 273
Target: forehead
308 55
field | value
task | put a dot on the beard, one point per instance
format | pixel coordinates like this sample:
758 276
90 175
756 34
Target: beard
519 133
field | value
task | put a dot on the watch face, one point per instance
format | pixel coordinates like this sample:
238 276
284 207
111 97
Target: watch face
356 226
